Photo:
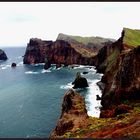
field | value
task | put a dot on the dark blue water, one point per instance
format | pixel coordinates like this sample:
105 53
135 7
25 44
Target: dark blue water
31 98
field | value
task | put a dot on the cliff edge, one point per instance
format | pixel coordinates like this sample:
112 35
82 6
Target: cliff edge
120 113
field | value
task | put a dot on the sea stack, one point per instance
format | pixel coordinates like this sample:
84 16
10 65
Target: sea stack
80 82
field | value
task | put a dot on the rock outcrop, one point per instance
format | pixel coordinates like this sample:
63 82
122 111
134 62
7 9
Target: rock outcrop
36 51
3 55
63 51
120 84
75 123
80 82
73 114
57 52
120 64
93 43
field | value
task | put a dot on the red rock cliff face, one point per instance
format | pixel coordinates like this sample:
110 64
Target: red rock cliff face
120 64
58 52
73 114
36 51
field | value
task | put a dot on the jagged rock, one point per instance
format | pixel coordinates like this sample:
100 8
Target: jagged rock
101 85
13 65
80 82
73 114
47 63
63 51
67 101
120 63
3 55
113 112
85 72
36 51
98 97
122 109
62 126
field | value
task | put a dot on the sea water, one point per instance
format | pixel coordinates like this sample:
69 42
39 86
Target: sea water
31 97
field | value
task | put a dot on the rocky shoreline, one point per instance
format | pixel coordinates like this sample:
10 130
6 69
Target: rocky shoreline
120 85
75 123
119 62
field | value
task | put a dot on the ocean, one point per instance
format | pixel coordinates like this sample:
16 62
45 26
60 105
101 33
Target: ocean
31 97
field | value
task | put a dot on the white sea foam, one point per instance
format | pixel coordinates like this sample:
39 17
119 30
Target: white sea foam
20 64
5 66
38 64
67 86
45 71
92 104
31 72
59 68
78 66
19 57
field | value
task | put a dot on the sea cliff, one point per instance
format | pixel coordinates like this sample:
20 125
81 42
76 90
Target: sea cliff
62 51
120 113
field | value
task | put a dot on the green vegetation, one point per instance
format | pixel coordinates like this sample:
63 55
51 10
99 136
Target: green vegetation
112 60
80 106
84 40
131 37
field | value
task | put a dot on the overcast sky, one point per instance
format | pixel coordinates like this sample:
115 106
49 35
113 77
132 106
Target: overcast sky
20 21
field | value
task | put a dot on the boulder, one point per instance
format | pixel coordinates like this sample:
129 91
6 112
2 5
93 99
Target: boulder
85 72
13 65
80 82
47 64
98 97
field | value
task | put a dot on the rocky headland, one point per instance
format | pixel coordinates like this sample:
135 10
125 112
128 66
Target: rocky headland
3 55
121 68
119 61
63 51
120 84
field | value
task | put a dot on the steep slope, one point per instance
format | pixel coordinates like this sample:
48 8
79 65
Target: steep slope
58 52
36 51
131 37
94 43
121 67
120 113
75 123
3 55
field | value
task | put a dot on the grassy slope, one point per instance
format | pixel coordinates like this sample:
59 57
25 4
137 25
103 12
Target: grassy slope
86 52
124 125
83 40
131 37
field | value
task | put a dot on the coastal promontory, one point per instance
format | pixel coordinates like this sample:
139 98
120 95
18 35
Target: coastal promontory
120 112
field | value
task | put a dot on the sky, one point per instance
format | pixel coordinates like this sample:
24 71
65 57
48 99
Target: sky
20 21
